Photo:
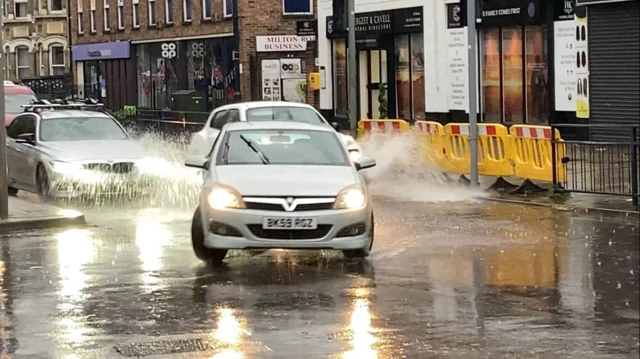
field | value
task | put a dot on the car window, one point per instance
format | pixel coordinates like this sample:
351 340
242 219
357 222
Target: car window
282 147
22 125
284 113
13 102
81 129
233 116
219 119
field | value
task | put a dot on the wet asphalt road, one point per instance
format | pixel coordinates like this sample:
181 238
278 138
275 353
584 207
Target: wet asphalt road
446 280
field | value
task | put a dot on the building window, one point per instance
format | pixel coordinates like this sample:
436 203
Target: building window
55 5
187 10
410 95
168 11
136 14
5 8
80 18
206 9
227 8
120 14
23 62
514 75
340 78
107 26
152 12
297 7
21 8
92 16
56 53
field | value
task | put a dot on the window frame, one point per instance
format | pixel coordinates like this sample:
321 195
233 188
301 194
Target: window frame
18 66
168 12
187 4
226 12
135 13
204 7
17 3
120 14
297 13
80 18
52 66
334 76
105 16
92 17
151 8
55 11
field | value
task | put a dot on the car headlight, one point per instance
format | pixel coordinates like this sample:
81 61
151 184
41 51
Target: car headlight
352 197
66 167
224 197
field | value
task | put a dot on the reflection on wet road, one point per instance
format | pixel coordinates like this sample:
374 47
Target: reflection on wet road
445 280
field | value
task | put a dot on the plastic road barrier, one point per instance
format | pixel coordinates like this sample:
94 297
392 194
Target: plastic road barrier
431 142
382 126
532 153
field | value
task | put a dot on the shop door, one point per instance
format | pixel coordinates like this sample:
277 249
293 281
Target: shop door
372 83
93 80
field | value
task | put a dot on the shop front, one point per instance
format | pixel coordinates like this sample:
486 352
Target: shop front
189 75
104 71
514 67
390 65
284 61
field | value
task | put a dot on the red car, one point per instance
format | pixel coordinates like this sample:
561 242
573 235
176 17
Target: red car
14 97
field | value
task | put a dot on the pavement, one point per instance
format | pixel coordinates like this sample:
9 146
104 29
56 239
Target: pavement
25 215
448 278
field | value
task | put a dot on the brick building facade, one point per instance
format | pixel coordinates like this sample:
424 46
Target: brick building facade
35 38
150 52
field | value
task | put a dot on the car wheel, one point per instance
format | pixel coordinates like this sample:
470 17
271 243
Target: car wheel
197 240
362 252
42 181
12 191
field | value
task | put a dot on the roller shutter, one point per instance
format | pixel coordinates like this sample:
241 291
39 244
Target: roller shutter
614 56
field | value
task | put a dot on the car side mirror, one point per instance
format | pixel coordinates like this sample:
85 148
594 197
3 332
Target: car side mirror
365 162
29 138
197 162
336 126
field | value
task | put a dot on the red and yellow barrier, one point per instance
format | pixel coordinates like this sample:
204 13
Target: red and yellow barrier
390 126
431 142
532 153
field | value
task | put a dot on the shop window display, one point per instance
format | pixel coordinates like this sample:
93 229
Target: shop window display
199 65
340 77
410 94
514 75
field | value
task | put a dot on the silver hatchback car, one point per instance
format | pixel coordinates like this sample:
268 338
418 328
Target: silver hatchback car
281 185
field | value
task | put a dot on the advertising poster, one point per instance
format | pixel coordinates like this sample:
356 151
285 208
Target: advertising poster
565 60
458 58
581 62
293 90
291 68
271 80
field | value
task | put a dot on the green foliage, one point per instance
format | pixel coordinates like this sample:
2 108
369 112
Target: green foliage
383 108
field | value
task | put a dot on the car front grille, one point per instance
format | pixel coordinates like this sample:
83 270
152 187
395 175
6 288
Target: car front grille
280 208
320 232
118 167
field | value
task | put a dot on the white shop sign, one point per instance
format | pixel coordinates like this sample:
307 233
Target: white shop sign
282 43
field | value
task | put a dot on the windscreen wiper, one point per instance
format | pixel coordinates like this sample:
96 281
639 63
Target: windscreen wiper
252 145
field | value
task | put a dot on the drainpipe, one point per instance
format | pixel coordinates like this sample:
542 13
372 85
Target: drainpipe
40 64
237 97
69 43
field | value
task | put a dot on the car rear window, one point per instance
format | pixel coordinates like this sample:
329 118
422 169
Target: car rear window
284 113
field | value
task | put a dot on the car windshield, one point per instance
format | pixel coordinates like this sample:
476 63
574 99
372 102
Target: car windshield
13 102
284 113
282 147
80 129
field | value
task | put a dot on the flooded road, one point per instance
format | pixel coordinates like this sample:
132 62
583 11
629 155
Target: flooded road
446 280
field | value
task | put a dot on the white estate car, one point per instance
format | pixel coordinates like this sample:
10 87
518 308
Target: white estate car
259 111
281 185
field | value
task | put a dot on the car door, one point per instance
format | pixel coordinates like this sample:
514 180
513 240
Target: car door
21 157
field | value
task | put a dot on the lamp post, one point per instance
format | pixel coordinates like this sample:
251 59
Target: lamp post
4 180
473 119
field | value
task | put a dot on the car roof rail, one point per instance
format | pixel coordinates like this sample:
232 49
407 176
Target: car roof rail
62 104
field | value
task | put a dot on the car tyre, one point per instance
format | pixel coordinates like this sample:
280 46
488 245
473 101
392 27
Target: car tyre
203 253
362 252
12 191
42 182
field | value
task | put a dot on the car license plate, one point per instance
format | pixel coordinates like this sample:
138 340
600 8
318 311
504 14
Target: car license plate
289 223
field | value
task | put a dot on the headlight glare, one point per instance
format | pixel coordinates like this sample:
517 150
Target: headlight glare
66 167
224 198
352 197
